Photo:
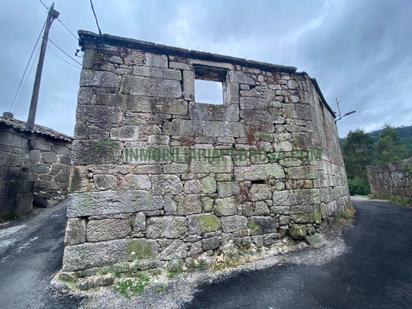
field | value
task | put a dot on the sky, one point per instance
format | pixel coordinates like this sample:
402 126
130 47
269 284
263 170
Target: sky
360 51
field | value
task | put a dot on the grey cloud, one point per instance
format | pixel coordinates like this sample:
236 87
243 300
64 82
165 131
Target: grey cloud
359 51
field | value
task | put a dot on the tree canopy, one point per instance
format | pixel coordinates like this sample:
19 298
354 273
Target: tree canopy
360 149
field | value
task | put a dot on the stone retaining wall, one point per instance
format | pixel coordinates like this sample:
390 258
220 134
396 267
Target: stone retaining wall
393 180
160 180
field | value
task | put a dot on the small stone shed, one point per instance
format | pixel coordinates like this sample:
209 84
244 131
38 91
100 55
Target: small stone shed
163 180
35 166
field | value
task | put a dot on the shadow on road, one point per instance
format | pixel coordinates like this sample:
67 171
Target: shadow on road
31 251
375 272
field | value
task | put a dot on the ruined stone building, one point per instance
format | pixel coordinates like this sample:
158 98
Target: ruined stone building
34 166
164 180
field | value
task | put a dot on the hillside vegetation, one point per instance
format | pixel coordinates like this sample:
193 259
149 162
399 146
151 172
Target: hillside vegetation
378 147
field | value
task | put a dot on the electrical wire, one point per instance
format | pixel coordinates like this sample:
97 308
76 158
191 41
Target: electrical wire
95 17
64 52
44 4
19 87
65 27
59 20
62 59
28 75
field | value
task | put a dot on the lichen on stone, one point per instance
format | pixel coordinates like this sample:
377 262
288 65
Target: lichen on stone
209 223
103 151
140 249
255 228
297 231
75 180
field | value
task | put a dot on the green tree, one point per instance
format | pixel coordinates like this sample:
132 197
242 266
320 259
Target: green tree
357 153
388 147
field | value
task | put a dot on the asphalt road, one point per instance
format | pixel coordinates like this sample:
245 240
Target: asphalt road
31 251
375 272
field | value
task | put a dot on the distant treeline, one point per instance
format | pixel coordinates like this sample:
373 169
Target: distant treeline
378 147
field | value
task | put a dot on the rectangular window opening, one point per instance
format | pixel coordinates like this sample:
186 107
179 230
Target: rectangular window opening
210 85
209 92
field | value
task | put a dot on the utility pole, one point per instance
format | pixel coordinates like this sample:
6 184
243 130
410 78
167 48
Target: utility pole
337 104
340 116
52 15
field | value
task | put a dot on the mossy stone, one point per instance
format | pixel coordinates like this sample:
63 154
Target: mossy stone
207 203
209 223
208 184
140 249
103 151
317 216
255 229
297 231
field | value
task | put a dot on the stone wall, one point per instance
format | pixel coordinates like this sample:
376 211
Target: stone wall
393 180
49 167
16 188
35 167
160 180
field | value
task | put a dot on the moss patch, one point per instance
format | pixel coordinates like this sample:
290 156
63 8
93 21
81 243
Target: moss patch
67 279
209 223
115 269
8 217
103 151
255 228
317 216
172 274
129 287
297 231
201 265
140 249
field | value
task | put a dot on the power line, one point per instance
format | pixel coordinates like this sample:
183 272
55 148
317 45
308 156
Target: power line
95 17
59 20
64 52
27 65
62 59
65 27
28 75
47 8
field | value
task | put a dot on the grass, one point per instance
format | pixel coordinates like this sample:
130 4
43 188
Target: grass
254 227
8 217
129 287
202 265
346 214
395 199
225 265
162 289
172 274
400 201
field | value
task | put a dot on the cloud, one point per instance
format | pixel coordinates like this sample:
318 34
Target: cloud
359 51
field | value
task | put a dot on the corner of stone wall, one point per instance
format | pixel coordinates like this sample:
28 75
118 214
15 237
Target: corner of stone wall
162 182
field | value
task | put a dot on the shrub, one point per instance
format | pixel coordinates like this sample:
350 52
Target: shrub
358 186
